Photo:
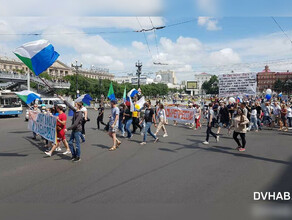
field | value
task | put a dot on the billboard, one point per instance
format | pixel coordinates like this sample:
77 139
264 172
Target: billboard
192 85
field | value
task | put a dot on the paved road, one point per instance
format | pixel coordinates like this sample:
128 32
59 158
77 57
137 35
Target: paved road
177 170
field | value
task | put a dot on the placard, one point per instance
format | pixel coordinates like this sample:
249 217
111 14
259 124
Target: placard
237 84
44 125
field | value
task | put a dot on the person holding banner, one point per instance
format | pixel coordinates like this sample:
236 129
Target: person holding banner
76 128
36 109
198 116
210 117
61 126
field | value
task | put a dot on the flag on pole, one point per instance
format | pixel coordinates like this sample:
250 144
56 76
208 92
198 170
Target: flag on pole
140 102
27 96
85 99
111 94
131 94
37 55
125 94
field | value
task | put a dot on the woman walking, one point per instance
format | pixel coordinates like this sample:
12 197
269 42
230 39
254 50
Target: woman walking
161 115
239 123
198 117
283 121
128 121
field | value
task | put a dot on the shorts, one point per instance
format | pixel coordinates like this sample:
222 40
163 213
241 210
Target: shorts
61 135
113 129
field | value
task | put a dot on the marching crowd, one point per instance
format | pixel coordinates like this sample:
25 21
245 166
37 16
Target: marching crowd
241 116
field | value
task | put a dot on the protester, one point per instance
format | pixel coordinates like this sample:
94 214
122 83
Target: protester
210 117
239 124
289 116
84 120
259 115
76 128
283 120
162 120
61 126
253 119
113 125
224 118
198 116
128 121
35 109
100 115
122 119
135 118
149 118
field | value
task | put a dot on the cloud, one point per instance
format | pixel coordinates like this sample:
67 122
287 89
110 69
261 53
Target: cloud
209 23
209 7
226 55
80 8
138 45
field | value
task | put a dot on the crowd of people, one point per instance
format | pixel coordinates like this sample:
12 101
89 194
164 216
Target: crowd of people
241 116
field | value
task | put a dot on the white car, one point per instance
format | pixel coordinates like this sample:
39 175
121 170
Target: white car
51 102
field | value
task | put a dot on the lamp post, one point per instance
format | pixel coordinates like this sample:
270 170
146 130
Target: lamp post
139 72
76 67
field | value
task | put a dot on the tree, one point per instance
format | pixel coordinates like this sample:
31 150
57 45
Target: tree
279 85
211 86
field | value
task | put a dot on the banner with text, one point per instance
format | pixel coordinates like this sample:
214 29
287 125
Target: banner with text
180 115
237 84
44 125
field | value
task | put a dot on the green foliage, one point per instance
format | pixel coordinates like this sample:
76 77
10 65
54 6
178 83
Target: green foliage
45 75
96 87
283 86
211 86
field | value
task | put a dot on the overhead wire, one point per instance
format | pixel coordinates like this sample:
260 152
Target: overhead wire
282 30
145 37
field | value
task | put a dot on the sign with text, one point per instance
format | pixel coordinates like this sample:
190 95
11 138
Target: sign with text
191 85
44 125
237 84
180 115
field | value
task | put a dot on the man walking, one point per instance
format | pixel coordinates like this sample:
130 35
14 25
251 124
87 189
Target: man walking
210 117
114 125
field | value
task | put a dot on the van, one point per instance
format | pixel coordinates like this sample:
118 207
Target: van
51 102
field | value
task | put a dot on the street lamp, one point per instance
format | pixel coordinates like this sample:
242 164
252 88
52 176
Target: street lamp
139 72
76 67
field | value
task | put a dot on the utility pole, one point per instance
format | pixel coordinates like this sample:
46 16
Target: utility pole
76 67
139 72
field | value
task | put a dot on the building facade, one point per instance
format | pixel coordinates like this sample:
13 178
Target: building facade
57 71
266 79
167 76
200 79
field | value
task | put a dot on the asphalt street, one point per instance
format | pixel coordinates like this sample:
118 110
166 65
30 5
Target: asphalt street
176 170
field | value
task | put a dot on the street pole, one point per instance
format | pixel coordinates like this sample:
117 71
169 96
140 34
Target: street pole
28 80
76 67
139 72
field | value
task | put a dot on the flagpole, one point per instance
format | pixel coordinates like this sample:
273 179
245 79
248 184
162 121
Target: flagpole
28 81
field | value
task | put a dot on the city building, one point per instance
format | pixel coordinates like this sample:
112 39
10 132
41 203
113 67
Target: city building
167 76
144 79
58 70
200 79
266 79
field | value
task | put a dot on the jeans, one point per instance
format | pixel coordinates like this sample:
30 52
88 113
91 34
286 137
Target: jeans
209 131
242 136
128 127
148 130
259 122
253 123
75 136
289 121
121 126
82 137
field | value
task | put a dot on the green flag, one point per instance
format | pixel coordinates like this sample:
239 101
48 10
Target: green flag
111 94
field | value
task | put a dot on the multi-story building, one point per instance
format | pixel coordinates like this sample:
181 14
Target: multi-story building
167 76
266 79
200 79
58 70
144 80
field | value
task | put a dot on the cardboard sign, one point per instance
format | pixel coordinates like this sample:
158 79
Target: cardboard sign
180 115
44 125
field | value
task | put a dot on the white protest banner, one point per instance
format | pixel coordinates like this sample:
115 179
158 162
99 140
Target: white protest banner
44 125
180 115
237 84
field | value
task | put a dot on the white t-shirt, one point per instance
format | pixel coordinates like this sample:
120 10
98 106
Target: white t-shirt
289 112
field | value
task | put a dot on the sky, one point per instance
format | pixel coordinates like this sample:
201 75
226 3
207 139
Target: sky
214 36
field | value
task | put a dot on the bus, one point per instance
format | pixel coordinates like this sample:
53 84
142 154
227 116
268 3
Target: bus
10 104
